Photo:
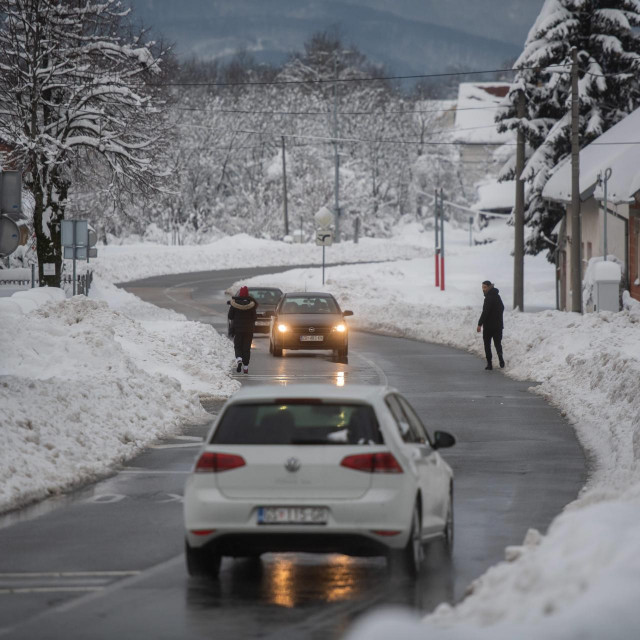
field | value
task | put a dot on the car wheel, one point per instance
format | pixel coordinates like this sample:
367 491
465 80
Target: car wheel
410 559
202 561
449 525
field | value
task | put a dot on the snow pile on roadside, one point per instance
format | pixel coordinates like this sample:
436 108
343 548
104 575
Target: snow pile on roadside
582 579
84 387
120 263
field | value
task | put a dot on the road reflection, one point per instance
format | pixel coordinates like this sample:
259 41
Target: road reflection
307 582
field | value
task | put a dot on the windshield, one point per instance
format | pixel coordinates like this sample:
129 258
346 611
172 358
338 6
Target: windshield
310 304
298 422
266 296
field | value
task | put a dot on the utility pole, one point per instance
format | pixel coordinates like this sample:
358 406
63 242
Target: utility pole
284 189
604 180
518 251
336 183
576 231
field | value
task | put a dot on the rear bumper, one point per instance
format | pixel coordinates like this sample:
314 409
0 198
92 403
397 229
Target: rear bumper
350 528
245 544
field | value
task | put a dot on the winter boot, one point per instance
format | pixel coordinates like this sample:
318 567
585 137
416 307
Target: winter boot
501 360
489 366
246 368
238 365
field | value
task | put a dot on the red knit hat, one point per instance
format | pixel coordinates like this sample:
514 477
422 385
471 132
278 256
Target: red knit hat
244 292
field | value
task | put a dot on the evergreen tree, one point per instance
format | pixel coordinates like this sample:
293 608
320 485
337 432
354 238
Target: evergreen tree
608 60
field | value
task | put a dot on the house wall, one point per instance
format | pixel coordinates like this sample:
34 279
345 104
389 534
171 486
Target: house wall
634 251
592 244
476 164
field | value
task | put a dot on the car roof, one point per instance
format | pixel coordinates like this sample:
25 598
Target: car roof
266 288
308 294
357 392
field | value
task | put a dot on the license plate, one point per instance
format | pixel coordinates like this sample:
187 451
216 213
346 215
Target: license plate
311 338
262 323
292 515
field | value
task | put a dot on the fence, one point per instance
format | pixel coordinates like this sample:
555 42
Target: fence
83 283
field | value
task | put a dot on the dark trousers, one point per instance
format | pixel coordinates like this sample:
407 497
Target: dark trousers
242 344
496 336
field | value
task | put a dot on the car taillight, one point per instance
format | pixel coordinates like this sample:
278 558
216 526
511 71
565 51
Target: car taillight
372 463
210 462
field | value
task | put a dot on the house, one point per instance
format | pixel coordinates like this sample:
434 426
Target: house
617 149
481 155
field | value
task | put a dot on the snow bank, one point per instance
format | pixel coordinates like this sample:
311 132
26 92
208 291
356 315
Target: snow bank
119 373
582 579
134 261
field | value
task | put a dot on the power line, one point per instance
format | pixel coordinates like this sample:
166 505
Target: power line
332 80
434 132
340 113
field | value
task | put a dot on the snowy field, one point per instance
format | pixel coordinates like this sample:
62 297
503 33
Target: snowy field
121 263
582 578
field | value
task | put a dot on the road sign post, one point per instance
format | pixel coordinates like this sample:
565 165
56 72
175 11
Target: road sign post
77 238
324 238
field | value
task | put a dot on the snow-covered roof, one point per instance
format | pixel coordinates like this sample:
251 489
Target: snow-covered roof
614 149
476 111
496 196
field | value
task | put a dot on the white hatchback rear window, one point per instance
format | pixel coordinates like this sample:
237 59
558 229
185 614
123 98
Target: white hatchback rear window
298 422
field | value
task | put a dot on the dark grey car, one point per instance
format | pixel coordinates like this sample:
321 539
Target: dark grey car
307 320
267 299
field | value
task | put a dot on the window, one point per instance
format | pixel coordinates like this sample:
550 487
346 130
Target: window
266 296
309 304
407 431
414 420
298 422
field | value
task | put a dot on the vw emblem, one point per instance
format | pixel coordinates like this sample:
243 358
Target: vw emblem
292 465
312 329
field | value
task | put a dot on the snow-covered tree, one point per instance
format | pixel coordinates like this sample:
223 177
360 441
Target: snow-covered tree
74 97
605 33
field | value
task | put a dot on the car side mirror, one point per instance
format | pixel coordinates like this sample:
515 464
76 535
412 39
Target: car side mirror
443 440
347 313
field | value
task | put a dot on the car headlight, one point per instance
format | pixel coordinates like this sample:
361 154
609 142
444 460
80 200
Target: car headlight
340 327
282 328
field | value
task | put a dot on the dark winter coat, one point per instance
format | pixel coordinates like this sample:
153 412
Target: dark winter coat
492 309
242 313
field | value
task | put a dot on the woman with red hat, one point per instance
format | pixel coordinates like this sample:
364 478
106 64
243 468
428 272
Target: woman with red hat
242 313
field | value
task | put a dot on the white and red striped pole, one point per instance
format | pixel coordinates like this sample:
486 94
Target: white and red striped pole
437 251
441 241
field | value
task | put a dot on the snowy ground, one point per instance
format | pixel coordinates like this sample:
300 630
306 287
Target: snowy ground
86 384
581 579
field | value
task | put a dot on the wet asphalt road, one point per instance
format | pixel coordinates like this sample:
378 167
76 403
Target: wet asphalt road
106 561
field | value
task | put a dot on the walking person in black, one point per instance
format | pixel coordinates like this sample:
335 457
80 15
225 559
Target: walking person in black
490 322
242 313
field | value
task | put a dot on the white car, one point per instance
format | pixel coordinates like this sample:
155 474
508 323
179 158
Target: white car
318 468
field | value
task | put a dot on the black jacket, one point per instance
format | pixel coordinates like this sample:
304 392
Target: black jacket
491 318
242 313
